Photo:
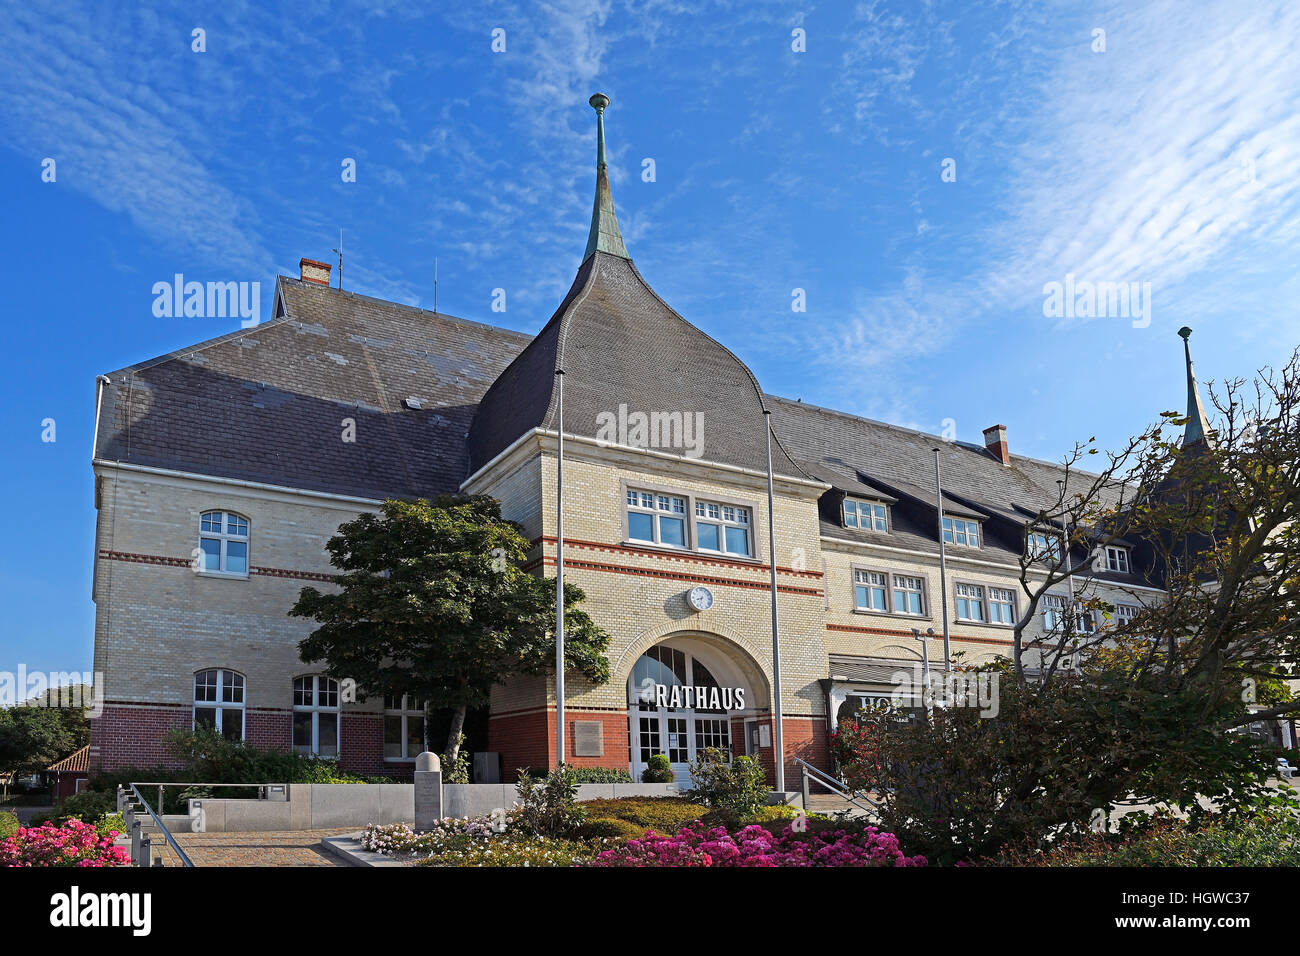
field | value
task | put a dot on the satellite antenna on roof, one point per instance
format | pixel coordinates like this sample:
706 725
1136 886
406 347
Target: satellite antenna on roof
339 250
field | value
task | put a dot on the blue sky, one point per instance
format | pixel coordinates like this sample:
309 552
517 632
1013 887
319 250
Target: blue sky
1171 157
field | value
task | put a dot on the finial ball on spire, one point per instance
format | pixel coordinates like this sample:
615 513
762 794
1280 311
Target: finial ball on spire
598 102
1185 332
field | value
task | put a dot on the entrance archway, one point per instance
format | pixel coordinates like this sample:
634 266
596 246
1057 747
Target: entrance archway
685 694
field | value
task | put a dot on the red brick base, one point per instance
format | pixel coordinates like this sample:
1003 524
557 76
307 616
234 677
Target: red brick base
528 740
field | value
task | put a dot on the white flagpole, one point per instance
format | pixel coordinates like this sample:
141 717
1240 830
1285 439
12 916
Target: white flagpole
778 739
943 562
559 578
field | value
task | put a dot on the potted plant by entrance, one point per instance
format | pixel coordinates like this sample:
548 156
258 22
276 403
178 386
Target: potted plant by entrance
658 770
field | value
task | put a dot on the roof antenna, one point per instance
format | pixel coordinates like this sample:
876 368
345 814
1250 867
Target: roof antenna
435 285
339 250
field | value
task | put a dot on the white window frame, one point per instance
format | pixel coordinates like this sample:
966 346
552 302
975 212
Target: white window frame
408 708
724 516
1117 559
970 528
920 590
882 585
227 680
855 507
224 537
315 708
1054 605
1125 613
1010 602
979 597
661 504
1051 549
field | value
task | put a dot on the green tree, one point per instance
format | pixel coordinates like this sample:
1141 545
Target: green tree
32 738
432 602
1105 712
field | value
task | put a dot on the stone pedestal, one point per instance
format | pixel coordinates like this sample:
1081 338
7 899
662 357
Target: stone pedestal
428 792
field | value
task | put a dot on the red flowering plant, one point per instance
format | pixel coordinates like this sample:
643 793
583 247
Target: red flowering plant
754 846
73 844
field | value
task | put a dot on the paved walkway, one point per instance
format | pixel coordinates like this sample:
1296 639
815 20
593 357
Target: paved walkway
270 848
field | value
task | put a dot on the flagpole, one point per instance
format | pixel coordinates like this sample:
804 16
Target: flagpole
778 740
943 561
559 577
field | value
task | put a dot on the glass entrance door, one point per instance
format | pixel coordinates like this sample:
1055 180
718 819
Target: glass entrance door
670 721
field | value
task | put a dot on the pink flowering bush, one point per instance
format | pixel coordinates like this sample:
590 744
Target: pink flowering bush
696 845
73 844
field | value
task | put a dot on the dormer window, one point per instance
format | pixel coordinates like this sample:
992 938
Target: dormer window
1043 547
961 531
1117 559
867 515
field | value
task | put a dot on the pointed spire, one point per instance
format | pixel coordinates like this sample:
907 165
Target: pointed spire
604 235
1198 426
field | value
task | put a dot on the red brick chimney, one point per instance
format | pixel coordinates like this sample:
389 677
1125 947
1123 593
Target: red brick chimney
995 440
309 270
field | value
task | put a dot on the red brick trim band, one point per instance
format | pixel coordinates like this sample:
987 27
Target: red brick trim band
681 558
890 632
682 576
187 563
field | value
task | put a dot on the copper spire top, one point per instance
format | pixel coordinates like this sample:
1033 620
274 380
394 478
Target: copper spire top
604 235
1198 426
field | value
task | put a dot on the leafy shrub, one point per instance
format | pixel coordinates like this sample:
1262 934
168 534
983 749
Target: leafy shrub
456 771
738 787
610 828
74 844
1264 841
111 824
755 846
658 770
8 824
601 775
514 849
398 838
664 814
87 806
550 808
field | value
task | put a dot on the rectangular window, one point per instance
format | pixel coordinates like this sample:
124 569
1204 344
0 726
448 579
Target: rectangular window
723 528
908 593
1044 547
660 519
1124 614
1002 606
1117 560
867 515
1053 612
678 745
960 531
970 602
870 591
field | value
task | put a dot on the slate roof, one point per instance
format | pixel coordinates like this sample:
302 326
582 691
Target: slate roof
267 404
871 459
620 344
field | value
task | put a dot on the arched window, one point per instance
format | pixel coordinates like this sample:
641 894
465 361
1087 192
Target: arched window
219 702
223 543
316 716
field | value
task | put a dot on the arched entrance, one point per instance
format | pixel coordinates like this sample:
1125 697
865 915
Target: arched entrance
685 694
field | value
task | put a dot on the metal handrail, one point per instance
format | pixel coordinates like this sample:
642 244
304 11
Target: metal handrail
184 858
833 784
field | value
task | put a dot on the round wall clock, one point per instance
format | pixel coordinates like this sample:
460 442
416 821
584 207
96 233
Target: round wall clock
700 598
